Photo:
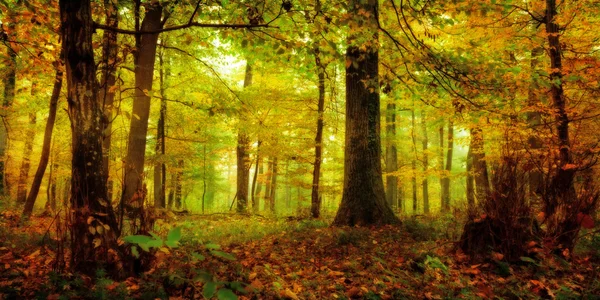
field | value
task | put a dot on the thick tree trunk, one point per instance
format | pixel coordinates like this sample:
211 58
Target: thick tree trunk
39 174
160 167
107 83
446 199
26 163
391 156
363 198
425 182
243 156
10 80
144 71
89 203
482 182
315 195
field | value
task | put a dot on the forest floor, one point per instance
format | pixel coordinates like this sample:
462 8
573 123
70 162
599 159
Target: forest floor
269 258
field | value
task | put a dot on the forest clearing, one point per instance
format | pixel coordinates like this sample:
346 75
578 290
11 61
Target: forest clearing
299 149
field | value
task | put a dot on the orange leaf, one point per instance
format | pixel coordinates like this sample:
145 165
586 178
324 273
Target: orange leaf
585 221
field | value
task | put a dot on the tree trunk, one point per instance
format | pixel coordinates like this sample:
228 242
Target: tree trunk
315 195
160 167
482 182
107 83
144 71
243 156
255 177
26 163
363 197
39 174
273 185
414 161
446 199
10 79
470 179
391 155
89 203
259 184
268 175
179 184
441 166
425 142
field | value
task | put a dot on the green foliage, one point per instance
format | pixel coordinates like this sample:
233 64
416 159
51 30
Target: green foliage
435 263
421 231
154 241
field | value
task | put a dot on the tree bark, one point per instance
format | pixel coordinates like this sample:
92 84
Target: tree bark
269 176
138 129
26 163
39 174
315 195
89 203
482 182
160 168
107 83
425 181
363 198
441 166
10 79
446 199
179 185
414 161
243 156
391 156
273 192
534 119
470 180
255 177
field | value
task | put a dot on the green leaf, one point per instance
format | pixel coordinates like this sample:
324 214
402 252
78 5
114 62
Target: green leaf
135 252
155 243
174 234
226 294
209 289
529 260
137 239
238 286
212 246
172 244
222 254
198 256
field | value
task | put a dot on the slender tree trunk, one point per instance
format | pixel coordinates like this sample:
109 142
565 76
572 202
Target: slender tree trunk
160 166
259 184
446 199
391 155
179 184
441 166
10 79
108 83
470 180
315 196
534 119
482 182
89 203
203 176
144 71
243 156
425 182
363 197
269 176
26 163
39 174
414 161
273 185
255 177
